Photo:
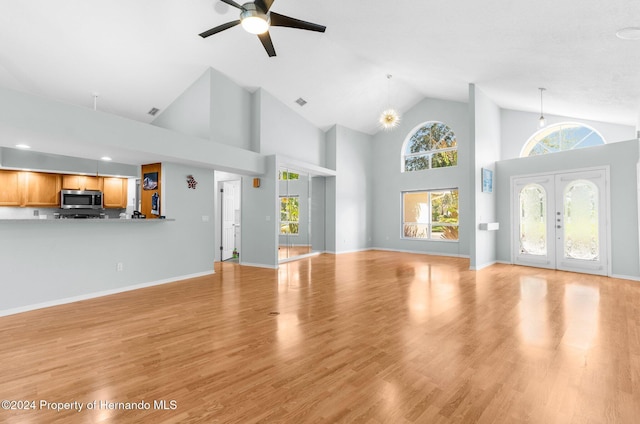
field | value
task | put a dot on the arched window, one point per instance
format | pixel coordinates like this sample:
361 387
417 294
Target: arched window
429 145
561 137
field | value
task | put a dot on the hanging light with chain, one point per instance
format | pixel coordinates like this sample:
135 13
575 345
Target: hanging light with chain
389 118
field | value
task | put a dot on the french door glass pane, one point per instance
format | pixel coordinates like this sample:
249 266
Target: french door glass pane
533 220
581 238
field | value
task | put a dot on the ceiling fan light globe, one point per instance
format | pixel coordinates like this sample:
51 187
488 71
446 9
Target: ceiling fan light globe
254 21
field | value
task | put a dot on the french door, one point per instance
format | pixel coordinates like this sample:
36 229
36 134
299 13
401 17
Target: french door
560 221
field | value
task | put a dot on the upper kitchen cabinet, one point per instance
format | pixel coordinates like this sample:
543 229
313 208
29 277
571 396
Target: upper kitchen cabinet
81 182
10 188
41 189
114 192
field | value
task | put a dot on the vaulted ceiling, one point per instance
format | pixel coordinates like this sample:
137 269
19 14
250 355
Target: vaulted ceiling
141 54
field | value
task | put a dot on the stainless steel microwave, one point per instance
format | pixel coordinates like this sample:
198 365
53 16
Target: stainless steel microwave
80 199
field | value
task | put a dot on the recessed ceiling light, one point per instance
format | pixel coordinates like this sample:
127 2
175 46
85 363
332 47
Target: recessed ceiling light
105 158
632 33
23 146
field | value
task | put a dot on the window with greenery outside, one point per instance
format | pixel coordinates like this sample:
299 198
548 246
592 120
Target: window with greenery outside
432 145
431 215
561 137
289 215
284 175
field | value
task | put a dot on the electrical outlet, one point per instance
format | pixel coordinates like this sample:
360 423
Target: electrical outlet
119 266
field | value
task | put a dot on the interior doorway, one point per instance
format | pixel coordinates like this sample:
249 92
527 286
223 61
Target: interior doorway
228 216
560 221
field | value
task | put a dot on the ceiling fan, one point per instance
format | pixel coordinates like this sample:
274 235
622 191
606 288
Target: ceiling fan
256 18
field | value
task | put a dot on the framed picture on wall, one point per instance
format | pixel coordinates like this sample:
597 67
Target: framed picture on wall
487 180
150 181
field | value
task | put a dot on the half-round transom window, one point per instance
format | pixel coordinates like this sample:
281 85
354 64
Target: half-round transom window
429 145
561 137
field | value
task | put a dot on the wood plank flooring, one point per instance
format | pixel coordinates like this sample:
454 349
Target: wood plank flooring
370 337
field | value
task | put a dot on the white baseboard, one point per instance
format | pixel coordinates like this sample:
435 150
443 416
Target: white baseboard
88 296
259 265
421 252
505 262
349 251
482 266
625 277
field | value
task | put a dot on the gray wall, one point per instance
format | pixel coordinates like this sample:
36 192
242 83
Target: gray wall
389 182
318 211
190 113
350 219
622 158
213 107
45 262
284 132
230 112
41 121
47 162
260 219
517 127
485 130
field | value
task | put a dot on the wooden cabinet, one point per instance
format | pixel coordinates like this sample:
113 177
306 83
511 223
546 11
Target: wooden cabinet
114 192
10 188
81 182
42 189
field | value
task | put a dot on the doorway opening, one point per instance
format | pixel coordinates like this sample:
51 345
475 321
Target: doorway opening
229 217
560 221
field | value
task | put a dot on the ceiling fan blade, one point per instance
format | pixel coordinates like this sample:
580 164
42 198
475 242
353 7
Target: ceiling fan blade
219 28
265 38
265 5
233 3
287 21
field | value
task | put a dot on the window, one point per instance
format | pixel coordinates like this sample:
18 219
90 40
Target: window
431 215
289 216
284 175
561 137
430 145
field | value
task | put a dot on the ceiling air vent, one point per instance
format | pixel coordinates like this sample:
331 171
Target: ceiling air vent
301 101
153 111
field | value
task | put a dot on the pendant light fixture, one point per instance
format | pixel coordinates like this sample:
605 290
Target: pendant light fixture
541 120
389 118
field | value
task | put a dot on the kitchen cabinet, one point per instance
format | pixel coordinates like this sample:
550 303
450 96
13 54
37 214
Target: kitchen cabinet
81 182
41 189
114 192
10 188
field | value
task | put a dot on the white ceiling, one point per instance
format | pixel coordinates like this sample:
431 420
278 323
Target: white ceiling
139 54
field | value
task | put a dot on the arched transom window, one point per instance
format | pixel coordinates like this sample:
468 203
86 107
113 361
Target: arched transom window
429 145
561 137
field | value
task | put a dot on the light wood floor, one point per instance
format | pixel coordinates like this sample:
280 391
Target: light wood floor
371 337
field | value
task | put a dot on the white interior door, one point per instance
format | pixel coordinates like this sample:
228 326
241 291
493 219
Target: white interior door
560 221
228 195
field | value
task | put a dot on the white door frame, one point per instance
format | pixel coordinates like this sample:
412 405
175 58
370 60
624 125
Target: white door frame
551 174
